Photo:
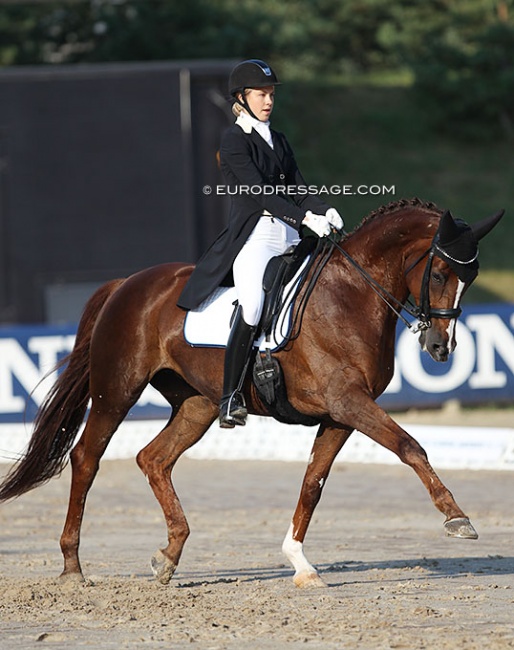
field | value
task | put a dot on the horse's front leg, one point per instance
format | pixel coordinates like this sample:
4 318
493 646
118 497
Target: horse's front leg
326 446
360 410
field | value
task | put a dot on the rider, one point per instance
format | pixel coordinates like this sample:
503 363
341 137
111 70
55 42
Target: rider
262 223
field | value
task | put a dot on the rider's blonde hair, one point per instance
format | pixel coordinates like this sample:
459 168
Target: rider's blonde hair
237 109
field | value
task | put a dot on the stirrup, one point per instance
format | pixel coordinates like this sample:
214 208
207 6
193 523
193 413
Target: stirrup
233 411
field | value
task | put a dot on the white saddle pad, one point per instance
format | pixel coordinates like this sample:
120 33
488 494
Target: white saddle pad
209 324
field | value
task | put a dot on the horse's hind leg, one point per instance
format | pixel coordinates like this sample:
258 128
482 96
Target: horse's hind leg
85 459
157 460
326 446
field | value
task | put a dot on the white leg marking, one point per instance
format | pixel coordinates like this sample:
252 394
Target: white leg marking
293 550
450 330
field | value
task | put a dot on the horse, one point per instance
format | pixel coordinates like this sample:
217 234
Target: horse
131 335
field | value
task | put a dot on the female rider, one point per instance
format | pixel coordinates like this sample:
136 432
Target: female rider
262 223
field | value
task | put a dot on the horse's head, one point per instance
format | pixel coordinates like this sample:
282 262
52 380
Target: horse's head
450 268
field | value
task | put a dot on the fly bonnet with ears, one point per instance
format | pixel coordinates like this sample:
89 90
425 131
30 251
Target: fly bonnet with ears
457 243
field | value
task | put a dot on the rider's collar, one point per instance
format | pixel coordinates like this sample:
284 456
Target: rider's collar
247 123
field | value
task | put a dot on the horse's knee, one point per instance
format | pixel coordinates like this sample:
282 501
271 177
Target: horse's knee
412 453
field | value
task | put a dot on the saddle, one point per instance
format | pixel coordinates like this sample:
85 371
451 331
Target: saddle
267 372
280 270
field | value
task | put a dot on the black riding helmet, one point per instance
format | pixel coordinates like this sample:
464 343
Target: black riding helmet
252 73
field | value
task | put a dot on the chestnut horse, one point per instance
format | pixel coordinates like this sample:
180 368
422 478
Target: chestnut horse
131 335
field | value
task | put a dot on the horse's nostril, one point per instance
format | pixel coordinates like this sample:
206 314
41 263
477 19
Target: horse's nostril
439 351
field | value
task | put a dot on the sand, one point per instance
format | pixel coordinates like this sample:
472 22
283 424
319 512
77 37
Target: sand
394 580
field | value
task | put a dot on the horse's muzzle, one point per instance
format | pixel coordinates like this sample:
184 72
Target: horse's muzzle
433 343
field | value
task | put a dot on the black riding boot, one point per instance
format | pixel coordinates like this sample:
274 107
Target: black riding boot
239 346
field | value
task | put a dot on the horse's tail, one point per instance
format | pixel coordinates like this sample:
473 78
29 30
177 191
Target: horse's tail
60 416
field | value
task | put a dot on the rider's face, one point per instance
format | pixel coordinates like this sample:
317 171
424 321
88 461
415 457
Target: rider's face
260 101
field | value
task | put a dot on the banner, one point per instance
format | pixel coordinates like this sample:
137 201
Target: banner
481 369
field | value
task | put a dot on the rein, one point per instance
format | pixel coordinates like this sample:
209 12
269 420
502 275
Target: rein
320 256
422 312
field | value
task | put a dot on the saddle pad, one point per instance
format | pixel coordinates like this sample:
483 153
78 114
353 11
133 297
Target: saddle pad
209 324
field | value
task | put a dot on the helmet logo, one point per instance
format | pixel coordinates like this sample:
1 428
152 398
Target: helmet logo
263 66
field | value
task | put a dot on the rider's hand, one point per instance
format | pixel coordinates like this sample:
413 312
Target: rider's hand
318 223
334 218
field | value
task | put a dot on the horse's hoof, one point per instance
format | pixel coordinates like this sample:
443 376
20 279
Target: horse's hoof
162 568
309 580
71 577
460 527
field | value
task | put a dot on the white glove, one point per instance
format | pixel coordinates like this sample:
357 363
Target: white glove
334 218
318 223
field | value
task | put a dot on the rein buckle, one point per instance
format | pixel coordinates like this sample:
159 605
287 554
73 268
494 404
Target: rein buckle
421 326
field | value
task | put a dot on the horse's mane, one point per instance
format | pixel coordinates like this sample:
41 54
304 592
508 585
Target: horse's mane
394 206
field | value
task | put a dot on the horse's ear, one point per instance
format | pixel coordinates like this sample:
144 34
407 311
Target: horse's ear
481 228
448 229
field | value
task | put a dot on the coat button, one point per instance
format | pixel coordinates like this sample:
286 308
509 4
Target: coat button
282 176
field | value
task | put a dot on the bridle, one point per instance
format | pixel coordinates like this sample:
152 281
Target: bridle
423 312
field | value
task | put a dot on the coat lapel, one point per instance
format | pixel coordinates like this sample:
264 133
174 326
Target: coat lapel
264 146
279 149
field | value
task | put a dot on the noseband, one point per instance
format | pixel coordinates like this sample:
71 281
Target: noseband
422 312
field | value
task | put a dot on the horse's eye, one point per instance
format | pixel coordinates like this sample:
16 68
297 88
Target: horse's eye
437 277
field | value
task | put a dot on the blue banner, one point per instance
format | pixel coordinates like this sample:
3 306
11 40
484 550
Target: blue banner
481 369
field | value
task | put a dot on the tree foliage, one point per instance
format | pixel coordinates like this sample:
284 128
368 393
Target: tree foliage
462 57
459 52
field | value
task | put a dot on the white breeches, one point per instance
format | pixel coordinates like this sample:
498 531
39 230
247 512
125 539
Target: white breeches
270 237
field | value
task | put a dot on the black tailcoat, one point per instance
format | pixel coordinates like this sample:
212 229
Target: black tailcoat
247 161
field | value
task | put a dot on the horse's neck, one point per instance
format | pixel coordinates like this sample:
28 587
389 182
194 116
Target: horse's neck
381 246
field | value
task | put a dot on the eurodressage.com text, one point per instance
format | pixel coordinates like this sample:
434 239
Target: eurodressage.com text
300 190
